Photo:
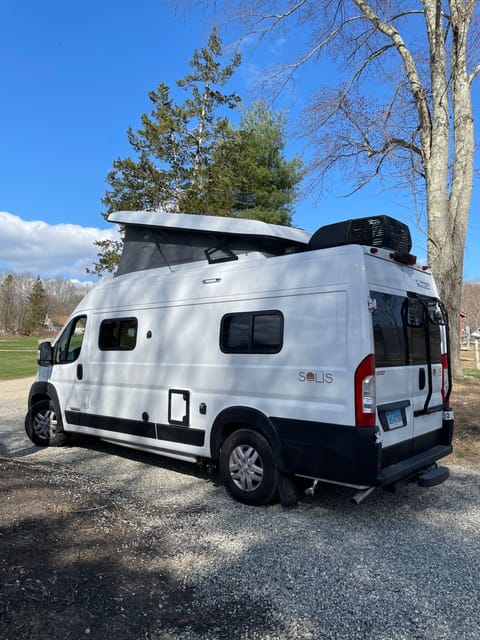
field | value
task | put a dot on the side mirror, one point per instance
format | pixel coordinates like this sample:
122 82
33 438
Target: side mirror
45 354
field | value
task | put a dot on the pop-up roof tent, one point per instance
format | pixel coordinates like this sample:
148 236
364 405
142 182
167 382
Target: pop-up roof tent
155 240
167 239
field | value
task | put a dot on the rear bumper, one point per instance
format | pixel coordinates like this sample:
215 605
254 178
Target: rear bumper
411 467
355 455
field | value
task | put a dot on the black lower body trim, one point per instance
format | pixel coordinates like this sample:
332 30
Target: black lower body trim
339 453
353 455
139 428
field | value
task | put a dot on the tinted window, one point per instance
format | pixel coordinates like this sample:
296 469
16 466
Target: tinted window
256 332
389 330
69 344
423 334
118 334
267 331
236 333
405 330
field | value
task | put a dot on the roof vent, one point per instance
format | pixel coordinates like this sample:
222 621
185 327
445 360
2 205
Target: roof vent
374 231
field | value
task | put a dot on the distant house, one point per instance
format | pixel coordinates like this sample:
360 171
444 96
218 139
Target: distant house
55 323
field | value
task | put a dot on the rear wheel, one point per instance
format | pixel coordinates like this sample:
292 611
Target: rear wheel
44 425
247 468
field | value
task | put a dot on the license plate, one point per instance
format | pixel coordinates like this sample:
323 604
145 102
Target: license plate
395 419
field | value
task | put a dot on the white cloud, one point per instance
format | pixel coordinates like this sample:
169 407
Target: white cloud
60 250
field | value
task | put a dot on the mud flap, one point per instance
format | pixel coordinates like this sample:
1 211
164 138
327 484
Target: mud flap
287 490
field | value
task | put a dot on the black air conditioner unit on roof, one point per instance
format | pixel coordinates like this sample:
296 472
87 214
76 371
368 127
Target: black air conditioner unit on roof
374 231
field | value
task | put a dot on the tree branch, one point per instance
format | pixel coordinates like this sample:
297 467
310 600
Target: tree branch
277 18
352 81
290 69
417 89
474 73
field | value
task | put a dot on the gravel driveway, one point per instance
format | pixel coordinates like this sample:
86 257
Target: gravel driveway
402 566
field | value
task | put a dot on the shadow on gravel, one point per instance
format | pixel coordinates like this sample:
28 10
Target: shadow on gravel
77 563
82 559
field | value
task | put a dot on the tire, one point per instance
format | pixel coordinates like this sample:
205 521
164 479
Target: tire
43 425
247 468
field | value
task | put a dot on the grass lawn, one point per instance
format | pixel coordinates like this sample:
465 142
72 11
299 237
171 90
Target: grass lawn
466 404
18 357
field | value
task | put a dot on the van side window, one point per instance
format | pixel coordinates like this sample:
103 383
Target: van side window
419 330
253 332
69 344
404 331
118 334
389 330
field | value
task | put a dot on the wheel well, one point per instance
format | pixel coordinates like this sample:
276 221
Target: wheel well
38 397
43 391
235 418
230 428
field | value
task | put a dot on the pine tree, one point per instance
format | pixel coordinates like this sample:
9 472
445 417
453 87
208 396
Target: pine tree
250 176
174 145
37 308
191 159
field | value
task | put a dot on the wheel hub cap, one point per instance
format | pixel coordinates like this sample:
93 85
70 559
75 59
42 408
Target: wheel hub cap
246 468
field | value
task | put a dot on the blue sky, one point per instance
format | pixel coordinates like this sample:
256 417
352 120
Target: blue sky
74 76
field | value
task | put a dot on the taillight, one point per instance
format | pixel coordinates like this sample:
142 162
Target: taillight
445 381
365 400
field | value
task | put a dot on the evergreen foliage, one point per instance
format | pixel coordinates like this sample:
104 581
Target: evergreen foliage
250 176
37 305
175 143
191 159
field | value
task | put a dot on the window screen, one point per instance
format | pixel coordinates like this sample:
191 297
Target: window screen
118 334
255 332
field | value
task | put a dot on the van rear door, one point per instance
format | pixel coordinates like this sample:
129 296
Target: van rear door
408 333
426 322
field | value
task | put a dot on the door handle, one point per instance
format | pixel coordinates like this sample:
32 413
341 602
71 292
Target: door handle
421 379
79 371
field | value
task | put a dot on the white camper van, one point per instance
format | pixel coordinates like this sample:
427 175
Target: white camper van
271 352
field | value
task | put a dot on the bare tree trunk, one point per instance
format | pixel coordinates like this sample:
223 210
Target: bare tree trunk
448 118
448 213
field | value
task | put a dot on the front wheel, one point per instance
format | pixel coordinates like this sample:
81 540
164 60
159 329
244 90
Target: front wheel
44 426
247 468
